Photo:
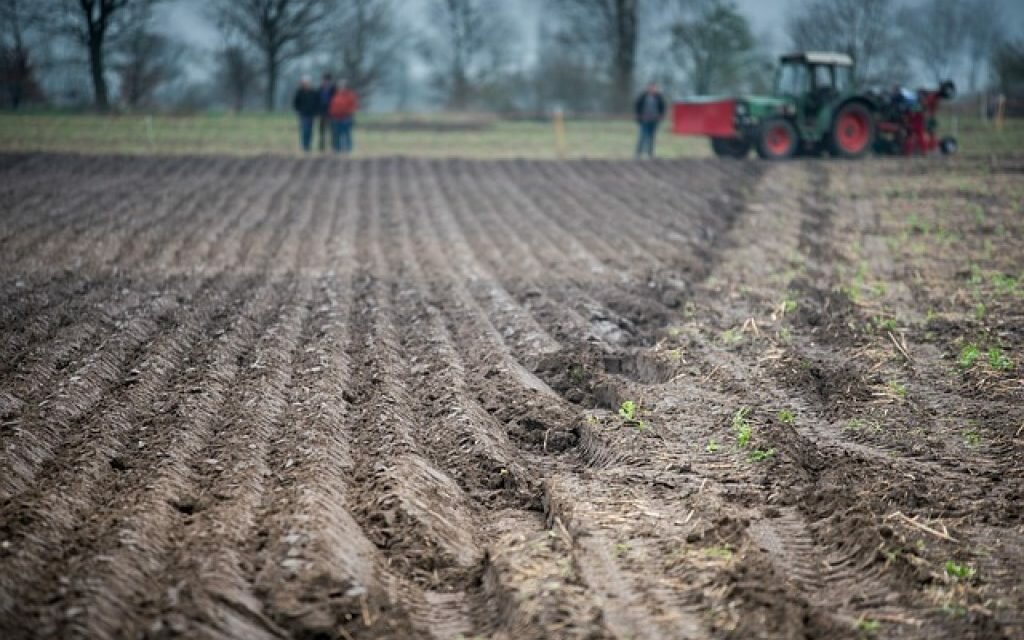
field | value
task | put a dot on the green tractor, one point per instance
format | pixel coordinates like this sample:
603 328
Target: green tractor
816 108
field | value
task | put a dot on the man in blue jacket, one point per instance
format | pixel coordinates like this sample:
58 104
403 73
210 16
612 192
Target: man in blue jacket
649 109
326 93
307 106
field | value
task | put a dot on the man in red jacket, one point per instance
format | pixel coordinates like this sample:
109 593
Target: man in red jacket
342 112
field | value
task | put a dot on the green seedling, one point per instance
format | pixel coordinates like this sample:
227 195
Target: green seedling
760 455
730 336
885 324
621 549
998 360
630 412
976 276
868 625
972 438
979 311
917 225
742 427
1004 283
723 552
628 409
787 417
712 446
968 356
958 571
788 306
892 555
577 373
897 388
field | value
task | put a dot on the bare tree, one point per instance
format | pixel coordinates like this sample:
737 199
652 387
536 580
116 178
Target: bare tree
142 58
467 48
237 76
936 34
865 29
565 76
1008 67
611 29
18 20
94 24
144 61
369 39
984 34
280 30
715 45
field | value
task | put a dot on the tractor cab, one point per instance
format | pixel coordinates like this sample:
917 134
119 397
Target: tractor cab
812 80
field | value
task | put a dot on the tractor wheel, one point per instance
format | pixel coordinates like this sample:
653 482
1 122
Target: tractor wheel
777 140
730 147
853 131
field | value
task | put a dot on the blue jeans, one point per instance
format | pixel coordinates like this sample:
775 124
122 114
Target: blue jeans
341 135
306 132
645 143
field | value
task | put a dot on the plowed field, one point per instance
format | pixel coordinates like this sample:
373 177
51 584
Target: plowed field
397 398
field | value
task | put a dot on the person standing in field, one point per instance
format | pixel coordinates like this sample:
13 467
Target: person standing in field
342 112
326 93
307 106
649 109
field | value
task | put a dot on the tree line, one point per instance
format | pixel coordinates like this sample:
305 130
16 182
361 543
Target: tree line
590 55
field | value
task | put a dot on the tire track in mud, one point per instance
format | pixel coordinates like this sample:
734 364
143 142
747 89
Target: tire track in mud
38 522
218 480
76 398
838 558
799 551
630 603
988 479
602 566
309 539
425 532
479 369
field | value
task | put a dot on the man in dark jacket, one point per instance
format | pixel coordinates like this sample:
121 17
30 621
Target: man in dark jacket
307 106
326 93
649 109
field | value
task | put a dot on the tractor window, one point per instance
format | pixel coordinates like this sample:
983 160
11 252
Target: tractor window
823 77
792 80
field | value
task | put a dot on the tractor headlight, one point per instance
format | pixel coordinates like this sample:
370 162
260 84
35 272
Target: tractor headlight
741 109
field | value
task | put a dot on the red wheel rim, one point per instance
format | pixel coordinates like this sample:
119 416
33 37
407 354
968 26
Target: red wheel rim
778 140
852 131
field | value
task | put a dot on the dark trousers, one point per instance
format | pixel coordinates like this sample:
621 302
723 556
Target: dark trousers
324 125
341 135
645 142
306 132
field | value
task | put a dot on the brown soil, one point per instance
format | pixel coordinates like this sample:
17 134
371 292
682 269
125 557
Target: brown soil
272 397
